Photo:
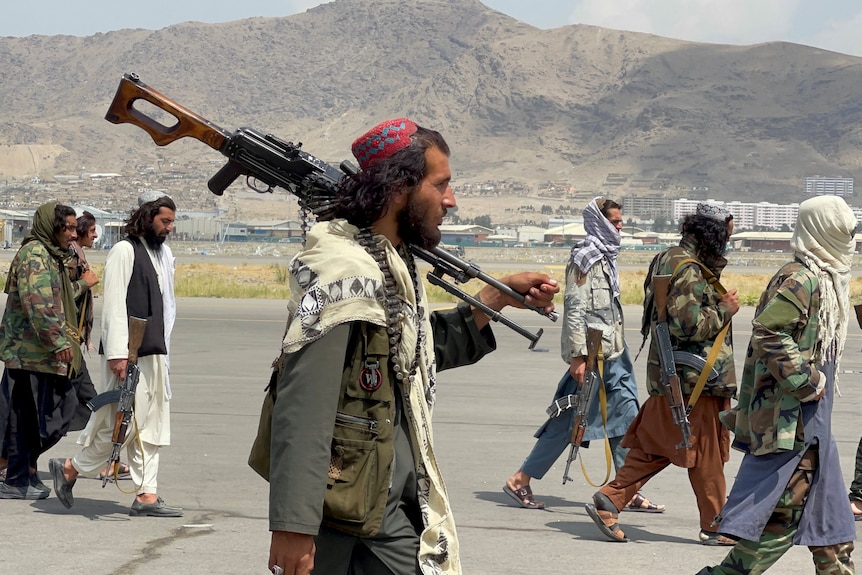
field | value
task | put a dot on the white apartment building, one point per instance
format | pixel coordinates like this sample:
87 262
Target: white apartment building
828 186
746 215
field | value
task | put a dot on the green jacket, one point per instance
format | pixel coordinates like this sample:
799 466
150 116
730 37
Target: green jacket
694 321
332 440
32 329
778 370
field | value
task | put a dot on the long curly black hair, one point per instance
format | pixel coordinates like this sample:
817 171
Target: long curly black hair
709 234
363 198
141 220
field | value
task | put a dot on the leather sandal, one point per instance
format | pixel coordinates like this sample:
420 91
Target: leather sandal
524 497
715 539
606 521
643 505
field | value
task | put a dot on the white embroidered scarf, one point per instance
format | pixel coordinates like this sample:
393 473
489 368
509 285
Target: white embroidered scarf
334 281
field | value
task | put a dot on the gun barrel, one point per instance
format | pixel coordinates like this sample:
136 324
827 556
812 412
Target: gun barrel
463 270
493 314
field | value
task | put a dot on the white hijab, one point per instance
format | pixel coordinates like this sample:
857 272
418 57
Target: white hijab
824 240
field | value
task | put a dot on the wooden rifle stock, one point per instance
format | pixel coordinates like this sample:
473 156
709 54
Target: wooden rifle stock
594 343
188 124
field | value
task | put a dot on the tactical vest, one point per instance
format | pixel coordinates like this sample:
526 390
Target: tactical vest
363 440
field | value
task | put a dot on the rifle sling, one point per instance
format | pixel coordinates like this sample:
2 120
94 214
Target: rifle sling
603 407
716 346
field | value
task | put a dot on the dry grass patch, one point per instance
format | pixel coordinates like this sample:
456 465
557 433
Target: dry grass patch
259 281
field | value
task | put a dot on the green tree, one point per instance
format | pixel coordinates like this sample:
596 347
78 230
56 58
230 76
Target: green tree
483 220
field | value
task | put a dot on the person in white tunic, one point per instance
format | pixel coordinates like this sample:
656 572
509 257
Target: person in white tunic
138 281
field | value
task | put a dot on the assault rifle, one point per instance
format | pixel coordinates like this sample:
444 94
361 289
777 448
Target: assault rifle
124 397
584 398
267 159
669 377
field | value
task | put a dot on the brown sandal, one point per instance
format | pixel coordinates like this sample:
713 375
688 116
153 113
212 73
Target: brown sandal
715 539
607 523
643 505
524 497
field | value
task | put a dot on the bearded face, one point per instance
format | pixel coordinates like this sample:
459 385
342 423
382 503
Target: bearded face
417 225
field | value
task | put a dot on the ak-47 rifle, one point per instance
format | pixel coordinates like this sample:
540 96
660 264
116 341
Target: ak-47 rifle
584 398
267 159
669 377
124 397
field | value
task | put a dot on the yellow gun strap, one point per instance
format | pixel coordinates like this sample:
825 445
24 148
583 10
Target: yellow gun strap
603 406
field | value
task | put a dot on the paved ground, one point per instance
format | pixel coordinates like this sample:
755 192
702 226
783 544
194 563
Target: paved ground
484 422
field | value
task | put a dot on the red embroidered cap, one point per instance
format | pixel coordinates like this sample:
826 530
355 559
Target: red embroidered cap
382 141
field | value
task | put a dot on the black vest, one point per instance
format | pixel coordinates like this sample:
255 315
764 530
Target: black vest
144 300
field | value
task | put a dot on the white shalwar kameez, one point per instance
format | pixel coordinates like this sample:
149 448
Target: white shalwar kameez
152 425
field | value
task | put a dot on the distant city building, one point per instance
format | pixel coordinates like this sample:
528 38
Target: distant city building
746 215
828 186
647 207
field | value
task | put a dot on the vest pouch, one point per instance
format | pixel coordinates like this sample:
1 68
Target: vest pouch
353 469
259 457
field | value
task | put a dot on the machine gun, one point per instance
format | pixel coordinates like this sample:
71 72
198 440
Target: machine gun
669 376
584 398
267 159
261 158
124 397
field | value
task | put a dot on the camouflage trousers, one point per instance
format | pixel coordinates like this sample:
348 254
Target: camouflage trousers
755 557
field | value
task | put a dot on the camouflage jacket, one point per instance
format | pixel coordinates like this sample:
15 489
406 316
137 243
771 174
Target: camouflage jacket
32 329
778 370
694 321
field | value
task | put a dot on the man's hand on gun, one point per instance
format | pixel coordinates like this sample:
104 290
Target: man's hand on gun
578 368
538 289
118 367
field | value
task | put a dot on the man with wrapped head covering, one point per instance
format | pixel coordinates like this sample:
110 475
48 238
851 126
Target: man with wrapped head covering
354 481
699 311
789 489
40 346
592 299
138 282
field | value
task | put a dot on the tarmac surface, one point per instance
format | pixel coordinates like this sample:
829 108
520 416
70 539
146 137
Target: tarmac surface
484 422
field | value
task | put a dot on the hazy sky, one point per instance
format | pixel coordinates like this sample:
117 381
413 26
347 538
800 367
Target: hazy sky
829 24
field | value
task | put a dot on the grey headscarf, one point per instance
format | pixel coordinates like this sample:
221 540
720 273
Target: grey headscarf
602 241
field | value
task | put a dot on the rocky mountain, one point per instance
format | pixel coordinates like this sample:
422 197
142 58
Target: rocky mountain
587 107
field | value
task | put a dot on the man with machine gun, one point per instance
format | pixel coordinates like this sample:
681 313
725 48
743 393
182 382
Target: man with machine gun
592 300
138 282
678 424
354 482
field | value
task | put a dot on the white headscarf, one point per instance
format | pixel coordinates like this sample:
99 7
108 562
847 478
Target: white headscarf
824 241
